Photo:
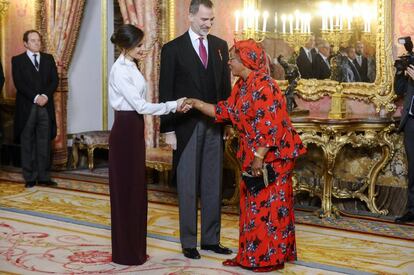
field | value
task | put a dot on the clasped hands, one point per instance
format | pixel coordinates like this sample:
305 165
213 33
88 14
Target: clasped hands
41 100
185 104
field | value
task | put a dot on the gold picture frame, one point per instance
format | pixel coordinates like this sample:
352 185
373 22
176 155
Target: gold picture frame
379 93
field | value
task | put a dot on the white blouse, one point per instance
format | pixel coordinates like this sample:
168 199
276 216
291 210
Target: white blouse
127 89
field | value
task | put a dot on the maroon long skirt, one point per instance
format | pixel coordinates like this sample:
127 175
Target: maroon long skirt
128 189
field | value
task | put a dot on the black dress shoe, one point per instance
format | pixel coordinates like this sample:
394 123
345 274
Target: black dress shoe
407 217
217 248
191 253
48 183
30 184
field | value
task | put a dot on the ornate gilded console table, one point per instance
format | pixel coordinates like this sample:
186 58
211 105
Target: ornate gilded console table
331 135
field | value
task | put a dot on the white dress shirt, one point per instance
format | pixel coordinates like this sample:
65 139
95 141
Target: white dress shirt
196 41
308 53
325 59
128 88
359 59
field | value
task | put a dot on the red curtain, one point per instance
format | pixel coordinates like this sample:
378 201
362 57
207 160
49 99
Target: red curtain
146 16
61 21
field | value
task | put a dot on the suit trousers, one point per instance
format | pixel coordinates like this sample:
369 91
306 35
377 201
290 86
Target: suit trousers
199 172
35 145
409 150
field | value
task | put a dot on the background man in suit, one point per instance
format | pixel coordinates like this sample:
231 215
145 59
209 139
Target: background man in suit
195 65
361 62
36 79
404 86
305 58
321 66
353 75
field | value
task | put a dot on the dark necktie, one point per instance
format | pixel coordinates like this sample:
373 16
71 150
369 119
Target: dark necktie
35 61
203 52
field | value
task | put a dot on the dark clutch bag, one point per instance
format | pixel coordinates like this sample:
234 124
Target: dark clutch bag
255 184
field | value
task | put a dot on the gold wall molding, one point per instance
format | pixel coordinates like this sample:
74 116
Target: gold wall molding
171 20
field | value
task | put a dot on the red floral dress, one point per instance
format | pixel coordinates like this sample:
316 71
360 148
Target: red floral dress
258 109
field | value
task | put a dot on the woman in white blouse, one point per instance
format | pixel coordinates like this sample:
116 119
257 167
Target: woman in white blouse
128 190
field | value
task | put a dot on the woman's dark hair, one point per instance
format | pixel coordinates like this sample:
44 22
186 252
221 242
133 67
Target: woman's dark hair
127 36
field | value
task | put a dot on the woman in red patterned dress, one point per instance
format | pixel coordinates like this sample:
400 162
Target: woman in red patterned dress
257 108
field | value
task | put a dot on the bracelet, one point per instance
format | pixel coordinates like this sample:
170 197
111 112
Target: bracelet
257 155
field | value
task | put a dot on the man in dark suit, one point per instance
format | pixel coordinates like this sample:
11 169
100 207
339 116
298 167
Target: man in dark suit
404 86
36 79
195 65
353 76
321 66
361 62
305 59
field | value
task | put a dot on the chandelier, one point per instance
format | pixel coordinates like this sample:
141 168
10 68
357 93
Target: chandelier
334 22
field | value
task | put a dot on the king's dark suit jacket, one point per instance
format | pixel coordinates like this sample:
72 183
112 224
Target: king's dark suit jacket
179 77
320 68
363 69
29 82
304 64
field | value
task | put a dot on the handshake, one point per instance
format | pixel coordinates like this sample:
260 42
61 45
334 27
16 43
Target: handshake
186 104
183 106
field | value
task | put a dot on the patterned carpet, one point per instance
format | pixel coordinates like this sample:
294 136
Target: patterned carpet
58 231
96 182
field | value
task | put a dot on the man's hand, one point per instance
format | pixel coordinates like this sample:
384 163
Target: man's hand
41 100
410 71
171 140
228 132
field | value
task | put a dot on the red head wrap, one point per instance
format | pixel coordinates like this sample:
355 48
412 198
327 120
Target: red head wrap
251 54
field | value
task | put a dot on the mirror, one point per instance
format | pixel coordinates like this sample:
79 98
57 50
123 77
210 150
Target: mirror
326 40
377 45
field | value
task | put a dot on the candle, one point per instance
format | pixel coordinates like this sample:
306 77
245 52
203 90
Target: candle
265 16
245 19
365 23
297 15
338 11
275 21
256 20
290 23
331 21
283 23
349 22
369 23
302 23
324 22
237 20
